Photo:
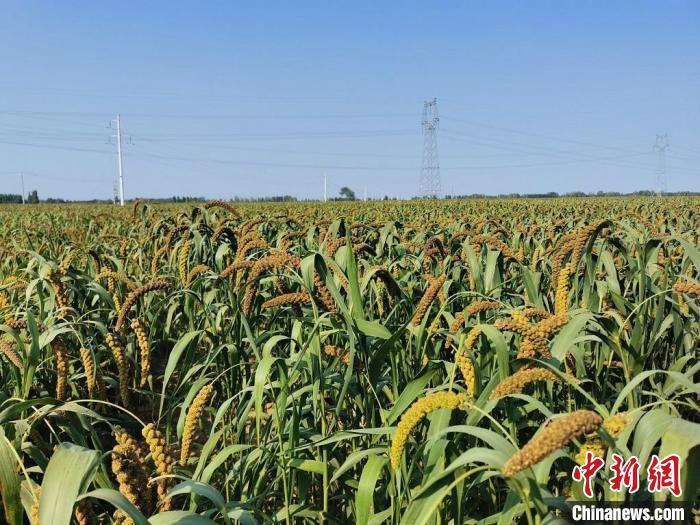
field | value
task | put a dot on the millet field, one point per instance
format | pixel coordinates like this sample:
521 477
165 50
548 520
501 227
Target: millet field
417 362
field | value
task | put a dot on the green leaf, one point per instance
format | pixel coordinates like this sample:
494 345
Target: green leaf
680 437
308 465
179 517
204 490
71 467
372 328
120 502
364 500
409 395
10 482
175 355
353 459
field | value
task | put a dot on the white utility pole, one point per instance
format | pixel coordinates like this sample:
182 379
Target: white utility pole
22 177
325 187
121 166
365 192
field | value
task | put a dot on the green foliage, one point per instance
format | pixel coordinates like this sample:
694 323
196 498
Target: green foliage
308 392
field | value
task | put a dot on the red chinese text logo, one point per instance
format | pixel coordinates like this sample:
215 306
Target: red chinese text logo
662 474
587 472
665 474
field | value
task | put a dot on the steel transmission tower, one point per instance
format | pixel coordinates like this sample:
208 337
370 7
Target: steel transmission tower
660 146
429 185
120 162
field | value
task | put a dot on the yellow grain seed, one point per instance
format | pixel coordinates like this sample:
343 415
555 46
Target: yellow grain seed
130 468
532 312
156 258
164 461
182 257
336 351
59 289
194 272
115 276
482 306
277 261
323 295
415 414
221 204
93 377
232 268
457 322
562 294
463 360
427 300
557 434
533 347
144 351
517 382
614 425
192 419
550 325
60 354
595 446
119 355
34 512
7 349
288 299
472 336
158 284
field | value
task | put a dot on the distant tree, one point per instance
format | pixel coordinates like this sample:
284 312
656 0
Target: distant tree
7 197
347 194
33 197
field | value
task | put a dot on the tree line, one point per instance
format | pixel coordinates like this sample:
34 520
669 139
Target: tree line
12 198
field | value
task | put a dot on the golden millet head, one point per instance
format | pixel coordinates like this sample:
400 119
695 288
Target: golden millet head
594 445
191 420
557 434
517 382
614 425
463 360
429 296
416 413
144 350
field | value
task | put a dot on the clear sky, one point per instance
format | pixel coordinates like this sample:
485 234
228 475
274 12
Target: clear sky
262 98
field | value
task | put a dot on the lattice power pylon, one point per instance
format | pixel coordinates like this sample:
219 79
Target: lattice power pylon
429 185
660 146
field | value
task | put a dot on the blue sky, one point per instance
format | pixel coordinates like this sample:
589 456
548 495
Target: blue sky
262 98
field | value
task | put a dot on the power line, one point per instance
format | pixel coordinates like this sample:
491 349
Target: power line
534 134
219 116
430 157
139 152
43 176
570 155
60 148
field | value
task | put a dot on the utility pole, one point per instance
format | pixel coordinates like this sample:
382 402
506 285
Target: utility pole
660 146
120 162
325 187
22 177
429 185
365 193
